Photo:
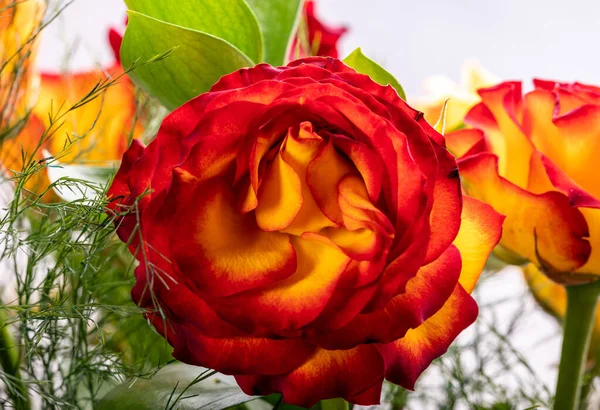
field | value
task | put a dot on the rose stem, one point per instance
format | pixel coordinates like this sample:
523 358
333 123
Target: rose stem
9 361
579 320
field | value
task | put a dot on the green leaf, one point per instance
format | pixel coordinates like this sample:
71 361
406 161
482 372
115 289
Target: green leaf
230 20
365 65
196 62
278 20
175 387
330 404
333 404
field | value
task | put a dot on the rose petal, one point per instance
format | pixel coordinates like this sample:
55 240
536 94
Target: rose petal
480 231
279 196
406 358
506 139
319 378
542 228
466 142
222 251
293 302
425 294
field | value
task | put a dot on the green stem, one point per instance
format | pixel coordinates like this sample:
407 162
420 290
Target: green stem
9 361
579 320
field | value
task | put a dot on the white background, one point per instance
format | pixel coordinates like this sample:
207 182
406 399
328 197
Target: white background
515 39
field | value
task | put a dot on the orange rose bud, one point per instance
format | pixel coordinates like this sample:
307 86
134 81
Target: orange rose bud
300 228
533 158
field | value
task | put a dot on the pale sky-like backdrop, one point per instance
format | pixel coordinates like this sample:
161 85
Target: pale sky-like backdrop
515 39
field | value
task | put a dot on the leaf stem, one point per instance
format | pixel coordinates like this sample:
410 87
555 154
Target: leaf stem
579 320
9 361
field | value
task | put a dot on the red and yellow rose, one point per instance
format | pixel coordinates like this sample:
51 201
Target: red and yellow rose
303 229
533 158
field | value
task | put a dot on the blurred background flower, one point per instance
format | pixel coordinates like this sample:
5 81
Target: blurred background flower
316 38
458 97
93 135
19 27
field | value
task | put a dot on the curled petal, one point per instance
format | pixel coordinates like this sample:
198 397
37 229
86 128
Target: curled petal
222 251
299 151
279 196
578 196
543 228
323 175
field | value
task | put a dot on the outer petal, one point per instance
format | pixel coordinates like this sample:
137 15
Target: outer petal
425 294
542 228
480 231
321 378
120 192
238 355
447 205
406 358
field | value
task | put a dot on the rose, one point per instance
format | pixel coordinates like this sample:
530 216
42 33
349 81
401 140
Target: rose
314 37
533 158
458 98
104 124
294 224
